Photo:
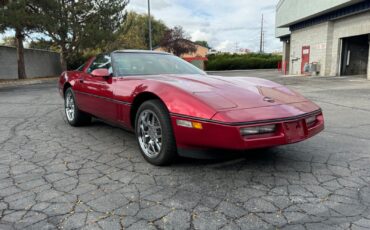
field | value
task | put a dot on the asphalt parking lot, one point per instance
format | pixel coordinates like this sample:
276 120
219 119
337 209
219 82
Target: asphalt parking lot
55 176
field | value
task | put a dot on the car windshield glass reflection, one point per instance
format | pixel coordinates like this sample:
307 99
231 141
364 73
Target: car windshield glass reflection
128 64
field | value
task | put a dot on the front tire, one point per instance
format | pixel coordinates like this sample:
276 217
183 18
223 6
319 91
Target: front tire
154 133
74 116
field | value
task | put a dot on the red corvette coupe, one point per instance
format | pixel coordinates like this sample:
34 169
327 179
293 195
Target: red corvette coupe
175 108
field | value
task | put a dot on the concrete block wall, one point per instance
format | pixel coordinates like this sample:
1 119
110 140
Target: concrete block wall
346 27
368 66
326 69
39 63
286 55
325 42
316 37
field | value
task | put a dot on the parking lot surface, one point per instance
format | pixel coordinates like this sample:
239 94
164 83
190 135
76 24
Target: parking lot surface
56 176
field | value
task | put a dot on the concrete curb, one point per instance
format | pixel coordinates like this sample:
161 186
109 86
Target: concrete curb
11 83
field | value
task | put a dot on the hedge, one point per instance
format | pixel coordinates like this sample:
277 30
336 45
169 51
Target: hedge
242 61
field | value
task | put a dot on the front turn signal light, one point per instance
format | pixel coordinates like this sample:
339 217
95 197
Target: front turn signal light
197 125
189 124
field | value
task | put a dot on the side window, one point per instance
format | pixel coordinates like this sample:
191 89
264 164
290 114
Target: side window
101 62
80 68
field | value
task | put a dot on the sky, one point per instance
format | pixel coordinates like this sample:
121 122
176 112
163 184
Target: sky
225 24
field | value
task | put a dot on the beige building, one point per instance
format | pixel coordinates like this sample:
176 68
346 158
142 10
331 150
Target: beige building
200 52
197 58
334 35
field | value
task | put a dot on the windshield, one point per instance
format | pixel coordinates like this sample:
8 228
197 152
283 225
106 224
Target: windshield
128 64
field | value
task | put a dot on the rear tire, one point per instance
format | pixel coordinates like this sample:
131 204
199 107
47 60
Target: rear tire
154 133
74 116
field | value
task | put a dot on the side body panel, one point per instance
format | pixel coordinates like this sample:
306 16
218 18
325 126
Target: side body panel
94 94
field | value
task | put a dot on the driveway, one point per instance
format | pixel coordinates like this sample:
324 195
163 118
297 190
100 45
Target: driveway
55 176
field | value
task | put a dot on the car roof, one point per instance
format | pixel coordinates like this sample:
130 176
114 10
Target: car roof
141 51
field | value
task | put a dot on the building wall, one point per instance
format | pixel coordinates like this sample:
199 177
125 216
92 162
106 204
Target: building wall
347 27
368 66
325 42
292 11
38 63
199 64
286 56
316 37
200 52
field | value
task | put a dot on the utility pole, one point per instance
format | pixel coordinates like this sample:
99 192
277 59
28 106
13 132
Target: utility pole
150 27
263 41
236 47
262 37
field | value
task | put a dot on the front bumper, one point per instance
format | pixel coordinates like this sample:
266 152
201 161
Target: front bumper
227 136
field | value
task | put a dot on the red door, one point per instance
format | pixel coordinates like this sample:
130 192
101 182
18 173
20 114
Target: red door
96 96
305 57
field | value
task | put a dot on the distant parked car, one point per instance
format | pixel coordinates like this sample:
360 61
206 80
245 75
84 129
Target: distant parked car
175 108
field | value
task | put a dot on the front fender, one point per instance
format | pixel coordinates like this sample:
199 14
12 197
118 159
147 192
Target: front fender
178 101
66 78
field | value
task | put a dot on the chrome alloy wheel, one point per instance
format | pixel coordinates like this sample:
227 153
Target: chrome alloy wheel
149 133
70 106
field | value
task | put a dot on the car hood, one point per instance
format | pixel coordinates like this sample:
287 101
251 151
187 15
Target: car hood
226 93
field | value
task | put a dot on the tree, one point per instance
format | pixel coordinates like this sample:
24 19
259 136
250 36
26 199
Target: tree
17 15
75 25
134 32
9 41
44 45
203 43
177 42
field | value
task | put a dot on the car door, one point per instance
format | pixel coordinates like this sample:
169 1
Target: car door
97 92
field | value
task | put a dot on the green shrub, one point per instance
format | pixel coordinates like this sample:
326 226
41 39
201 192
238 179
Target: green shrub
242 61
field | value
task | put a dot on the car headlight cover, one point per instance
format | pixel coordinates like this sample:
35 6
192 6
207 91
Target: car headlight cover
258 130
310 120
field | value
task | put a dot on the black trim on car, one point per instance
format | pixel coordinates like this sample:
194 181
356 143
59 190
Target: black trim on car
286 119
105 98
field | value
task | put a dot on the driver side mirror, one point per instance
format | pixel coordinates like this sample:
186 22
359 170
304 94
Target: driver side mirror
100 73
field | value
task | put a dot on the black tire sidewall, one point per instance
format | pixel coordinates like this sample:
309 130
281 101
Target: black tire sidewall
168 149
